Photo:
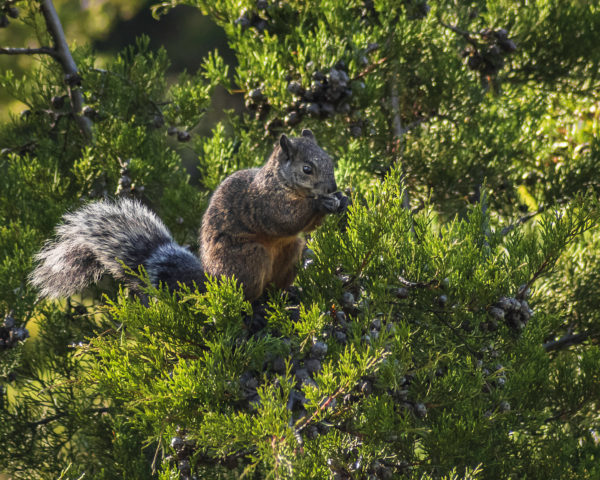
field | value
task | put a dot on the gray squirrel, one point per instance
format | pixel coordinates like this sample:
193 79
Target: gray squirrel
250 230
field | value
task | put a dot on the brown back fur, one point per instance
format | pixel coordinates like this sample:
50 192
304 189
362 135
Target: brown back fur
252 225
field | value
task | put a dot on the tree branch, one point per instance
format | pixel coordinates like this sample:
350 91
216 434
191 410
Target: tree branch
58 416
28 51
398 131
130 84
395 104
549 259
567 341
64 57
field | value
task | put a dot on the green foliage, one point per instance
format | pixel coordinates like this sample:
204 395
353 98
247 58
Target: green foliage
407 348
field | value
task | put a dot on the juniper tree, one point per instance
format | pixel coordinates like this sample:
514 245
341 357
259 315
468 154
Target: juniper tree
445 327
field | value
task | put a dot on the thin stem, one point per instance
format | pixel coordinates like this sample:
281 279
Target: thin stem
371 67
455 332
466 35
60 415
29 51
395 104
409 284
539 272
525 218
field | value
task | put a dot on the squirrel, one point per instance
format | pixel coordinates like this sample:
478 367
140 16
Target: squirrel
250 230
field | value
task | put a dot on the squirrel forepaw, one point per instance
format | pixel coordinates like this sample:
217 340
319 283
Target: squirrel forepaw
335 203
344 202
329 203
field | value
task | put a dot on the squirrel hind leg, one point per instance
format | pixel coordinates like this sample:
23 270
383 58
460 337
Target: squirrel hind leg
65 268
249 262
285 263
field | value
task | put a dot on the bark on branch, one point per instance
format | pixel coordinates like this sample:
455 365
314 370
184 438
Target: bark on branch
566 341
64 57
28 51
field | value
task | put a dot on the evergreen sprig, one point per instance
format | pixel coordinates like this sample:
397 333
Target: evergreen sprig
444 327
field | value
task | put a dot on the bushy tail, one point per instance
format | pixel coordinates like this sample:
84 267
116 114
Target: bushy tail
91 239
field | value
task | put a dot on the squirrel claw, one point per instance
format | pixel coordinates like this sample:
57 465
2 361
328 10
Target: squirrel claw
344 202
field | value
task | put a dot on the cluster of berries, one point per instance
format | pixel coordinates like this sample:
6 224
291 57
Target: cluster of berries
8 10
402 396
329 93
258 103
55 113
487 57
371 334
184 449
515 311
10 334
303 367
350 464
259 19
125 186
181 135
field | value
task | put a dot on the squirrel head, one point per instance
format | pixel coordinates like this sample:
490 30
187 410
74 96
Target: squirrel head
303 166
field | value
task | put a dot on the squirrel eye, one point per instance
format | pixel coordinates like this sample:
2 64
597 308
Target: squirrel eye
307 169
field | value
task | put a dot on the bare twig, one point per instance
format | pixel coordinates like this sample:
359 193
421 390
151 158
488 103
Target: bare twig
397 129
132 85
539 272
28 51
409 284
58 416
466 35
455 332
373 66
395 104
564 415
525 218
64 57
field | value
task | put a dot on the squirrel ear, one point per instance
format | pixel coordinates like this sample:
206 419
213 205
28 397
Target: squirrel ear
286 145
308 134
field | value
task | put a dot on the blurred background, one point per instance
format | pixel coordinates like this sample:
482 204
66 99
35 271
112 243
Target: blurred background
108 26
